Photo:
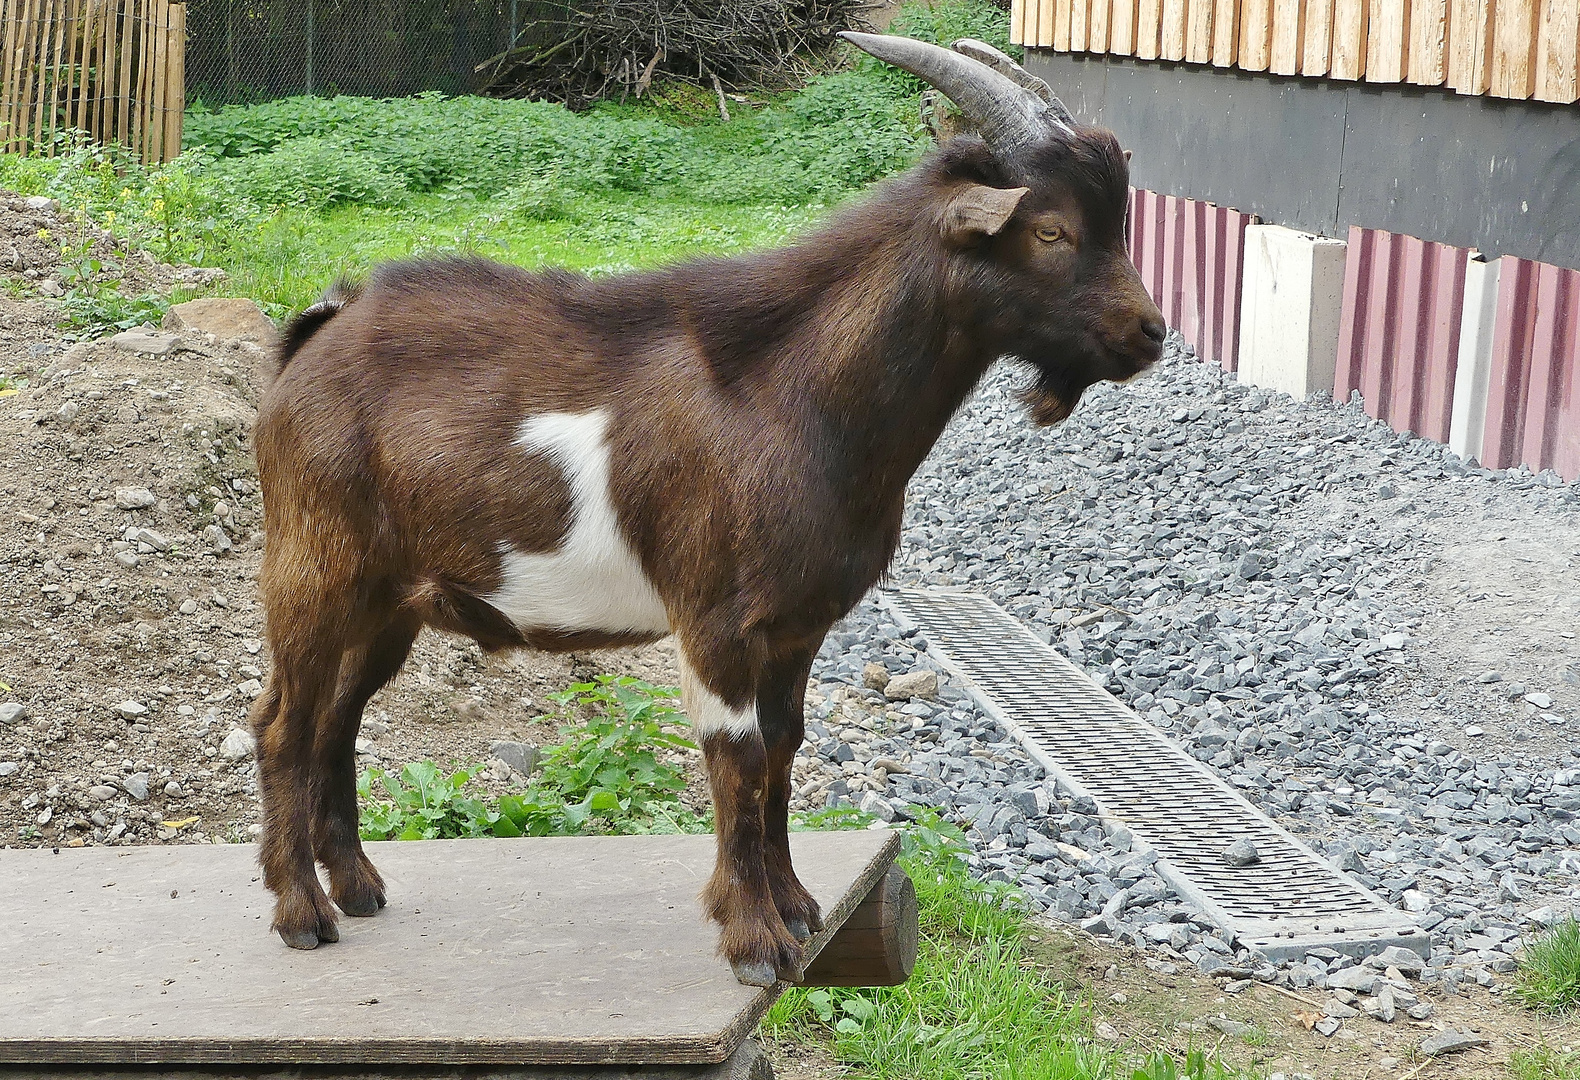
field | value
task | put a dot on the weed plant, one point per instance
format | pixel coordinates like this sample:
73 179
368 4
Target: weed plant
607 776
1549 973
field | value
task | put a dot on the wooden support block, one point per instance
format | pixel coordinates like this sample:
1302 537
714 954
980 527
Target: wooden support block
1256 34
1428 64
1514 48
1558 62
1289 21
1172 46
1388 41
877 945
1225 32
1316 46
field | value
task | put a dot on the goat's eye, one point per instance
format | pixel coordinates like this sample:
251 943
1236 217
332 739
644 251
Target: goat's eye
1052 234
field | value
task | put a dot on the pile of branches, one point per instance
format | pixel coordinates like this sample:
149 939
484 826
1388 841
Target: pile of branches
579 51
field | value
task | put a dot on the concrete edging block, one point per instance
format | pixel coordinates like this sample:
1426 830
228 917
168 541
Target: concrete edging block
1291 307
1474 372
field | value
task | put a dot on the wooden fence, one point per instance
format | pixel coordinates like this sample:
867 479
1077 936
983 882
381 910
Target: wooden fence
1504 48
112 68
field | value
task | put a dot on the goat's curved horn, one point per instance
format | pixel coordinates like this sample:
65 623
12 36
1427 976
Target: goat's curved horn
1008 116
983 53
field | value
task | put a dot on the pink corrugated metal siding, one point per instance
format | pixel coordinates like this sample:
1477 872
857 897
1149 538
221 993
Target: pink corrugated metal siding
1399 332
1189 255
1533 396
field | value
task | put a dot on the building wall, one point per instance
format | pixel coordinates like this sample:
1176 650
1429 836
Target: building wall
1496 175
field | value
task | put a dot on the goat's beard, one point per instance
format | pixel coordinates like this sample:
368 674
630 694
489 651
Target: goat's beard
1052 397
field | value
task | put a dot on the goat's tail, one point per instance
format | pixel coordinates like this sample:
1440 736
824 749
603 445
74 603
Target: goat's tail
312 318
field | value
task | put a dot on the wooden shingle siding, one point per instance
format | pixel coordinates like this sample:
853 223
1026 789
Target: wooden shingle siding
1506 48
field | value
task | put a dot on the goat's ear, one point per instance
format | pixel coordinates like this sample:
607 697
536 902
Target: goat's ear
1127 155
978 210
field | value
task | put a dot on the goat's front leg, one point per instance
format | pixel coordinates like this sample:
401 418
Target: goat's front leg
781 705
753 934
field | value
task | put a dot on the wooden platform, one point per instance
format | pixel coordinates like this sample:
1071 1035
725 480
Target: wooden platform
520 952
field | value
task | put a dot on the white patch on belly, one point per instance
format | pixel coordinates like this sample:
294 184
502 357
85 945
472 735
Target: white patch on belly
708 712
593 581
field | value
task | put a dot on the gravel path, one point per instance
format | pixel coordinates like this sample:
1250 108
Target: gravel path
1372 640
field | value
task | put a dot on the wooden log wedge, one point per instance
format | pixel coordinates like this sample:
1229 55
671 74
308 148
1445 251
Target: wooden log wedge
876 946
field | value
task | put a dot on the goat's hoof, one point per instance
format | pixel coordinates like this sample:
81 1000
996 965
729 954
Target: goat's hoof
300 939
799 929
361 907
754 973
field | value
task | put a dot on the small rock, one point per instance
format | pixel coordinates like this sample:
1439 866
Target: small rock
188 606
136 786
521 757
141 341
173 790
1539 699
131 710
42 204
228 319
156 540
9 768
1241 853
51 287
134 498
1449 1042
913 684
875 676
876 805
1232 1028
1406 960
217 538
127 559
1107 1032
238 744
102 792
12 712
1327 1026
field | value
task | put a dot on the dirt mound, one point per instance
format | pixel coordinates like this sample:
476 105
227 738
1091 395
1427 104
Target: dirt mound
130 632
47 250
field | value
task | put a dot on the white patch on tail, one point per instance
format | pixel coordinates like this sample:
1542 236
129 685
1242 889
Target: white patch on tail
594 580
708 712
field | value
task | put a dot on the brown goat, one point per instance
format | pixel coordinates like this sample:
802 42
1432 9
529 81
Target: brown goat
718 450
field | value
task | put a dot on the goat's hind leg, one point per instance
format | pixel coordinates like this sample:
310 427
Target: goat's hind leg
354 883
283 719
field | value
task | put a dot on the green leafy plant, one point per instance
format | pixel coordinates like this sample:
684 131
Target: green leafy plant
1549 971
424 803
607 776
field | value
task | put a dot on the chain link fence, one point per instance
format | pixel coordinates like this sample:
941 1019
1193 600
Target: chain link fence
244 51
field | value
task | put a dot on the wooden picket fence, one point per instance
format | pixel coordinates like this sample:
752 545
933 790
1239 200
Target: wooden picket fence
1503 48
114 69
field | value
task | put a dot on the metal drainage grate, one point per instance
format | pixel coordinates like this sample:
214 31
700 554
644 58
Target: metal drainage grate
1288 903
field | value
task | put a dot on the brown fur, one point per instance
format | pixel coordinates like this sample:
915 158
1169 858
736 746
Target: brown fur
766 413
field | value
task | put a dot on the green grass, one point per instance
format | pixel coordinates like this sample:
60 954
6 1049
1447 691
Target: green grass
1544 1063
1549 974
288 195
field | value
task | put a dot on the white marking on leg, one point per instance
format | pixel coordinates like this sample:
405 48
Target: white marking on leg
594 580
708 712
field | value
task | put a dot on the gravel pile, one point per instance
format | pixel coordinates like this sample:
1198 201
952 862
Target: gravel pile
1259 578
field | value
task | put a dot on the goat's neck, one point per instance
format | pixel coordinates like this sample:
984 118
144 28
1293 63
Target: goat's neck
887 393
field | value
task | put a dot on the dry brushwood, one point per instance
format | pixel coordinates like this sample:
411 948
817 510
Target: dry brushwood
586 50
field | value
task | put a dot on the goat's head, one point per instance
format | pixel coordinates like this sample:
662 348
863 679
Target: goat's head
1036 209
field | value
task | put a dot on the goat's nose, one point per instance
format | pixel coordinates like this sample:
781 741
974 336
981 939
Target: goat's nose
1154 329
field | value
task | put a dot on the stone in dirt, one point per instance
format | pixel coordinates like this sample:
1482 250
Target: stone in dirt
12 712
131 710
1397 956
913 684
238 744
1449 1042
227 318
141 341
134 498
521 757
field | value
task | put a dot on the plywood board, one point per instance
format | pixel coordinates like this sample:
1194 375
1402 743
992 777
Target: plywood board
582 950
1198 31
1289 18
1097 36
1256 34
1514 48
1172 43
1225 32
1558 57
1387 40
1428 62
1122 27
1316 46
1149 28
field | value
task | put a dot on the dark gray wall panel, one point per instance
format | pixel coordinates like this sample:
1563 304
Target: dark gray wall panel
1322 155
